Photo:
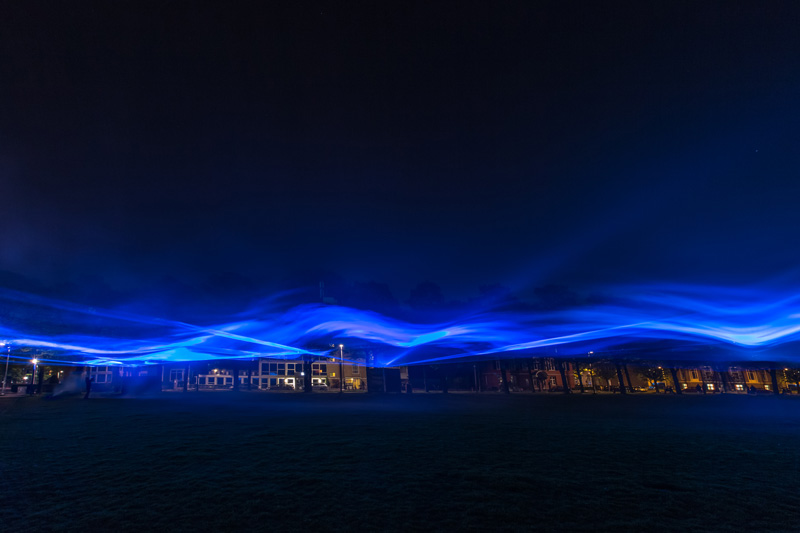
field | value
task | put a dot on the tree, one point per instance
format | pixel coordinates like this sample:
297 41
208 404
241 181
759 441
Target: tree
504 374
605 371
627 376
652 374
722 370
541 379
530 374
618 367
773 374
578 366
562 369
675 382
793 376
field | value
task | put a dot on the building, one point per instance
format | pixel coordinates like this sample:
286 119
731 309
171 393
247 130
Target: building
265 374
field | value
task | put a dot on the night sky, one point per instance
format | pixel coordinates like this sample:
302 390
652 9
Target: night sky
466 143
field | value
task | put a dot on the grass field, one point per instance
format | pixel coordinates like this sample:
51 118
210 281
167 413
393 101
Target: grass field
248 461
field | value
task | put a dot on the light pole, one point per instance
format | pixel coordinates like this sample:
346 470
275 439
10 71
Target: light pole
341 368
5 377
33 376
591 373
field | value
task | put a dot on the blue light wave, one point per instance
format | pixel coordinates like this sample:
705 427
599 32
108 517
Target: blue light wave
676 321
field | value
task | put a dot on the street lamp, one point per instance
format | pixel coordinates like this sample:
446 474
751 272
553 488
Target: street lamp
33 378
591 373
5 377
341 368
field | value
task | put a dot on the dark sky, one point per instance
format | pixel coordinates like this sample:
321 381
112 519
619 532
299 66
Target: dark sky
466 143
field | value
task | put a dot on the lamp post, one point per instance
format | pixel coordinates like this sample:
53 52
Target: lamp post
341 368
591 373
32 386
5 377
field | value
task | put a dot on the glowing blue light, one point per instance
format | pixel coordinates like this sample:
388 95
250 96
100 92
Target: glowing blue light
747 321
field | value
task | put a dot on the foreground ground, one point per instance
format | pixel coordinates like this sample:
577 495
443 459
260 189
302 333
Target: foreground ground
226 461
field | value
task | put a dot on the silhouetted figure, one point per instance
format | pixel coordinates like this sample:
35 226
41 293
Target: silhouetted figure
752 389
699 389
88 387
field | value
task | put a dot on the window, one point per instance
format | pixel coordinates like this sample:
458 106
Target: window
101 378
280 369
176 375
553 381
685 385
694 374
710 386
739 386
767 387
750 376
319 369
356 369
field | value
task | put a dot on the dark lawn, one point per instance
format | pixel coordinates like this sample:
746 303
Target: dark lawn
225 461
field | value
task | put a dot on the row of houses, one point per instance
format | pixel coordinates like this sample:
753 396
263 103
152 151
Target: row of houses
545 374
534 374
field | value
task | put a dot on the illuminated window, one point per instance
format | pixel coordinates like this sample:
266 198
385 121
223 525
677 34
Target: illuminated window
319 369
767 387
685 385
710 386
739 386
